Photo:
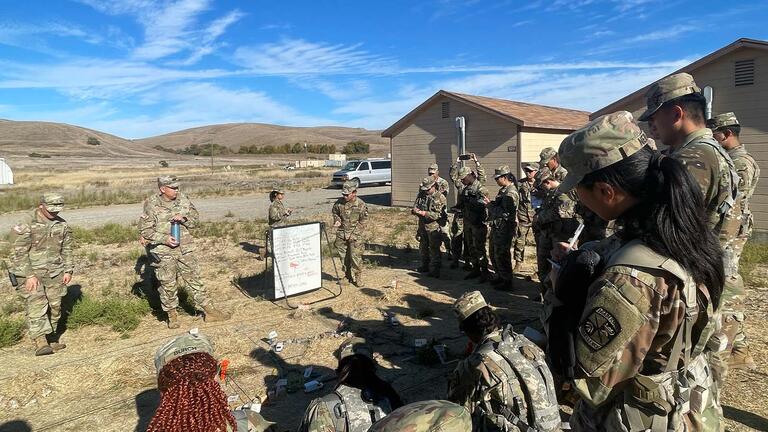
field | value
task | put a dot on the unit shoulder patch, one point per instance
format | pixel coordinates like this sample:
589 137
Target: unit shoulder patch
599 328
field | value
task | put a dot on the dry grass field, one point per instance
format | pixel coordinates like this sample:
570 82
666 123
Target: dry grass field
105 379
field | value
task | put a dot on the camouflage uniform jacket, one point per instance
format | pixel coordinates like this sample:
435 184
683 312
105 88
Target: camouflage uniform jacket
352 215
155 223
559 173
344 410
472 202
749 174
41 247
277 213
714 173
525 211
442 186
631 320
434 205
556 207
503 210
454 175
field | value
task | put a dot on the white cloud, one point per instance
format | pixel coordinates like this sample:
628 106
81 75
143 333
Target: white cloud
662 34
297 56
336 90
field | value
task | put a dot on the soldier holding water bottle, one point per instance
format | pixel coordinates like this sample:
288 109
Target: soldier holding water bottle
165 227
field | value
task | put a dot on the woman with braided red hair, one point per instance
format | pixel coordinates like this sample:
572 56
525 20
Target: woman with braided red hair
191 398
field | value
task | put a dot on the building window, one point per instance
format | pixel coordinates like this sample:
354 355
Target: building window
744 72
446 109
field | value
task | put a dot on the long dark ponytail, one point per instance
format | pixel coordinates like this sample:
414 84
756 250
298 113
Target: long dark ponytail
670 217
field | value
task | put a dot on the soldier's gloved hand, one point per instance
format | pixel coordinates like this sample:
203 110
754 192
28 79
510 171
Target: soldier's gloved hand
171 241
32 283
67 278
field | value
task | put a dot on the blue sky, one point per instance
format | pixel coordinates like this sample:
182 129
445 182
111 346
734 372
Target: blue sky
138 68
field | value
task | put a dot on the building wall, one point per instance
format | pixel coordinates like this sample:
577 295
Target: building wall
429 138
533 141
750 103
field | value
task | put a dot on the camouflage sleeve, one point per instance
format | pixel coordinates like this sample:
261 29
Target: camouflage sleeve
627 322
191 214
480 172
363 217
465 384
453 173
21 243
746 173
275 213
566 207
510 203
317 418
484 192
703 163
336 212
148 225
66 251
436 207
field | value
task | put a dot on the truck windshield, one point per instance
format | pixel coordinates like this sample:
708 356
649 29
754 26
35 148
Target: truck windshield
351 166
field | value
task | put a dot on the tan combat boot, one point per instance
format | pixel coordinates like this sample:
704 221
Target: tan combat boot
41 346
173 319
53 341
212 314
741 359
518 267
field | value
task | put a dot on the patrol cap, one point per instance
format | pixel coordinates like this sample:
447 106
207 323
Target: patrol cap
352 346
426 183
54 202
501 171
182 345
469 303
432 168
546 154
348 187
543 174
169 181
602 142
666 89
464 171
531 166
277 191
722 120
426 416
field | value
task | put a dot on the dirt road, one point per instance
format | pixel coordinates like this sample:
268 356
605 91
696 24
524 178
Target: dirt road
250 206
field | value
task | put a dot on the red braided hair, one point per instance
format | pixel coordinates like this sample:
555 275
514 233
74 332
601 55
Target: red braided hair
190 399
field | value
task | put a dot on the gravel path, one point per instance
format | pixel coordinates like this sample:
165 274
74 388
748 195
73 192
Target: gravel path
214 208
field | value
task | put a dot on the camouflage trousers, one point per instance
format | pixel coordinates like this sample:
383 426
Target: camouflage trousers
475 236
445 236
501 251
429 248
43 306
457 238
521 240
172 269
350 253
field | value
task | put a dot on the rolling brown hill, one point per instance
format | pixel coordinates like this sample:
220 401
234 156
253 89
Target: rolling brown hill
21 138
235 135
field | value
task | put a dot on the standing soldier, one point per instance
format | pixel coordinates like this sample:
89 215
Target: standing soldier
278 213
525 213
430 208
41 263
550 159
350 215
175 257
502 213
726 130
472 204
676 115
442 186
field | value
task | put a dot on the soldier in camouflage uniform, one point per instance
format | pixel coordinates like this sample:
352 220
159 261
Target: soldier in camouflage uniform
502 214
525 213
459 246
350 215
442 186
471 202
175 257
360 399
505 382
278 213
41 260
426 416
639 345
726 130
676 115
430 208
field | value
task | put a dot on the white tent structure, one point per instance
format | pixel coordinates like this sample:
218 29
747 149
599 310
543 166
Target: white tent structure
6 175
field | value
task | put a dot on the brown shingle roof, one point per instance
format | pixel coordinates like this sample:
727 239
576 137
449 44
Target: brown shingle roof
522 113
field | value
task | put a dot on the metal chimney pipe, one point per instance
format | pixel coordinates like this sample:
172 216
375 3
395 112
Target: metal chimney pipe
461 135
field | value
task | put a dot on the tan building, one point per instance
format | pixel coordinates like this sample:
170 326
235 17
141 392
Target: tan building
738 75
500 132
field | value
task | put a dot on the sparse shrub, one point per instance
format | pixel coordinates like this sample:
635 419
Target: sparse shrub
39 155
93 141
121 314
356 147
165 149
11 307
229 214
106 234
311 174
163 163
11 331
754 254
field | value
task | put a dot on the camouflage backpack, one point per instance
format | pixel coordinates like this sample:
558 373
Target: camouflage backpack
533 402
354 410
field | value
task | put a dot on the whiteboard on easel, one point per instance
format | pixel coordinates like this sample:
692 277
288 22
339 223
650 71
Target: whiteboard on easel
296 259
